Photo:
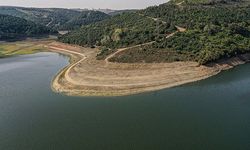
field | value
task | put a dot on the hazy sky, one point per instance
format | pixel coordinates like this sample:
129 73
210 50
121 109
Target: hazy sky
113 4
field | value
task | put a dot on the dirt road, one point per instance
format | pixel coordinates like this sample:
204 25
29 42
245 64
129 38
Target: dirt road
124 49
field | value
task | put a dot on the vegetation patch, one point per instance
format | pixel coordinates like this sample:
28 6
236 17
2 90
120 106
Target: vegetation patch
55 18
150 54
104 53
122 30
14 27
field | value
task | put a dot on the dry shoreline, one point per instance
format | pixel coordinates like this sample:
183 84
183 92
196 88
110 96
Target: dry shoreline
86 76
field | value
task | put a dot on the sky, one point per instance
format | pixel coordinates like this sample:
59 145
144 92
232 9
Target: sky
112 4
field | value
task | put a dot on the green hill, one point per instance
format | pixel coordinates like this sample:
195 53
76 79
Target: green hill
215 29
84 18
120 31
14 27
56 18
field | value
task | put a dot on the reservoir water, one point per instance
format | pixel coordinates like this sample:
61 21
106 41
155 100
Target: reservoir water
212 114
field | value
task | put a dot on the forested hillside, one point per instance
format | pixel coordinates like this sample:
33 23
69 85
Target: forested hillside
118 12
14 27
119 31
215 29
56 18
84 18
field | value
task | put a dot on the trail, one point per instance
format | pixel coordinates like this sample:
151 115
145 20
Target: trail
50 22
178 4
179 29
127 48
124 49
155 19
67 71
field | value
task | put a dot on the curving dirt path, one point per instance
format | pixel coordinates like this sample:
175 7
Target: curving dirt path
67 71
179 29
124 49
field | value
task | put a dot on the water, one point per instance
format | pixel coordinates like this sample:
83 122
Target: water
212 114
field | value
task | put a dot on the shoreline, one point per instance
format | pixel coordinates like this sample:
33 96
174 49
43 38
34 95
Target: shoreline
86 76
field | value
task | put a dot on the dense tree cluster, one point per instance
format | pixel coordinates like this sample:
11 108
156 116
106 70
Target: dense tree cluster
119 31
215 29
84 18
14 27
56 18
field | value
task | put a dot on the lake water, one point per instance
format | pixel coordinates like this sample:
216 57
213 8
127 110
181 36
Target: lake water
212 114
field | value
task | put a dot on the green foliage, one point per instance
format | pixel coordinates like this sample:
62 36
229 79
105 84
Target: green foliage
214 32
206 47
209 2
84 18
198 16
119 31
13 27
215 29
118 12
56 18
149 54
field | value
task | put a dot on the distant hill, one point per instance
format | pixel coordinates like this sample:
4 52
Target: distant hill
119 31
211 30
210 2
106 11
14 27
117 12
84 18
56 18
111 12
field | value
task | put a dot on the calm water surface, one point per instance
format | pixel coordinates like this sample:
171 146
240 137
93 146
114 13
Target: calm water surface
213 114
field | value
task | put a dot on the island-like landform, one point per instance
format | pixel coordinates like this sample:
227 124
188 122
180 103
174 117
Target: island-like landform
155 48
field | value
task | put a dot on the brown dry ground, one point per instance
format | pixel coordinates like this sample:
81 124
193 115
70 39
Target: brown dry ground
86 76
